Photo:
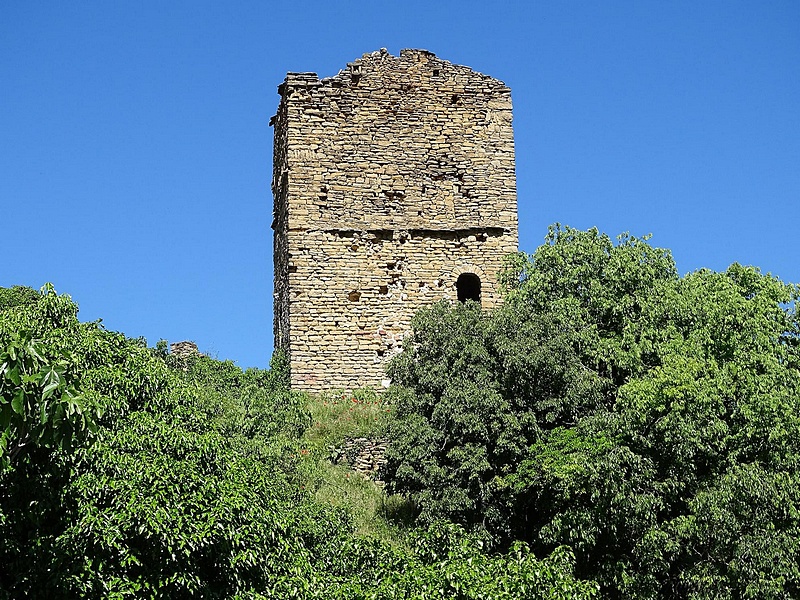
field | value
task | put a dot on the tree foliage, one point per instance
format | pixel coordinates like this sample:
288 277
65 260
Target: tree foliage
17 295
649 422
180 484
41 404
143 475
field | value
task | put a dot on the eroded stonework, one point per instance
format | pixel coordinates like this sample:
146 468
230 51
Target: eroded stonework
394 187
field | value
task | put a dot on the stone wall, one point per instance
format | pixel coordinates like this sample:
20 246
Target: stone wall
390 180
185 349
364 455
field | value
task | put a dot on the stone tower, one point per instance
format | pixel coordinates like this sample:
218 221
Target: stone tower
394 187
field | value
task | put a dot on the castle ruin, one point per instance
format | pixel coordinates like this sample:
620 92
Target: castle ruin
394 187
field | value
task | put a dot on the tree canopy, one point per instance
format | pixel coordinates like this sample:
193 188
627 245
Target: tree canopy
129 473
648 421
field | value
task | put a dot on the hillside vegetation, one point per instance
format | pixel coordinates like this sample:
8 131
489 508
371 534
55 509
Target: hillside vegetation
613 430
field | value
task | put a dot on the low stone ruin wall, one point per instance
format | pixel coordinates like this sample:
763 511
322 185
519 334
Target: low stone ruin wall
364 456
184 349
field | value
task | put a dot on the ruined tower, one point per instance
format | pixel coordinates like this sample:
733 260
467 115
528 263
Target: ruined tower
394 187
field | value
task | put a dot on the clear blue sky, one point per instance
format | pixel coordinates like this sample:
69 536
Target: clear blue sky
135 150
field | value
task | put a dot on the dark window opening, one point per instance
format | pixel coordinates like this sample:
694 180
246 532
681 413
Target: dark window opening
468 286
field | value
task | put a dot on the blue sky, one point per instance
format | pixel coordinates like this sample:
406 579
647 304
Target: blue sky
135 150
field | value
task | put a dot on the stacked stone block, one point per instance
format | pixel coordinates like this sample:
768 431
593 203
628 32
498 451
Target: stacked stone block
390 180
363 455
185 349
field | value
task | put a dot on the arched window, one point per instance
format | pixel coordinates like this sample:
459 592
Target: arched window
468 286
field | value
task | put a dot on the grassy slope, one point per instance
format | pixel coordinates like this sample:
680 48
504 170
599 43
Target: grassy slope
336 417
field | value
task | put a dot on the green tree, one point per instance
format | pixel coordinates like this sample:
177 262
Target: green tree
616 408
188 485
41 404
17 295
134 478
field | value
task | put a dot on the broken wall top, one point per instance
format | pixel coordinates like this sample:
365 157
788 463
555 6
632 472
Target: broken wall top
397 142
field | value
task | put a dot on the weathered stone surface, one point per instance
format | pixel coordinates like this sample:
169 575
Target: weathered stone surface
363 455
391 180
185 349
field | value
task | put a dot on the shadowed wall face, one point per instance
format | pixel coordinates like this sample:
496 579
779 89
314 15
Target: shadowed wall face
393 181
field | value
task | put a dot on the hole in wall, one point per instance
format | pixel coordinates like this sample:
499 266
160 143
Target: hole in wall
380 353
454 99
354 296
383 290
468 286
436 72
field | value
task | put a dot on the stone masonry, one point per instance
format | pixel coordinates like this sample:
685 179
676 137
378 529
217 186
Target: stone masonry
394 187
184 349
364 455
